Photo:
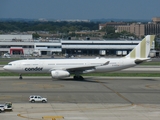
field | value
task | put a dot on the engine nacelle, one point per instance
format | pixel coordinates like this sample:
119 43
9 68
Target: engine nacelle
57 74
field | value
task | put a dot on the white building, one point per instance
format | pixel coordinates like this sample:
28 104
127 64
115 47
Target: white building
24 44
16 37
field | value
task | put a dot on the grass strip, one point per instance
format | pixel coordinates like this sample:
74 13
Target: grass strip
91 74
151 63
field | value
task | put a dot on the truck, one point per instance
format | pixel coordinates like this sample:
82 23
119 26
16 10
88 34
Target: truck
152 53
124 53
1 108
6 107
36 53
102 52
118 53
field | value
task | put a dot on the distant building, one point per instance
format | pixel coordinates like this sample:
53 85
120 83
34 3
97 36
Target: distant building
156 20
152 28
140 29
112 24
136 28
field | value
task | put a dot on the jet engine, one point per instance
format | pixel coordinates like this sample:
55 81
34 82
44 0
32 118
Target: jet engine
57 74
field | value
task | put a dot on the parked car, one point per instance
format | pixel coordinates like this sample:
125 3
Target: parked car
37 98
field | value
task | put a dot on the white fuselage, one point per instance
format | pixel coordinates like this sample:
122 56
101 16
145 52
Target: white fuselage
60 68
48 65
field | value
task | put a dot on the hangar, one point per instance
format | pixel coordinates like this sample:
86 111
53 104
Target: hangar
25 44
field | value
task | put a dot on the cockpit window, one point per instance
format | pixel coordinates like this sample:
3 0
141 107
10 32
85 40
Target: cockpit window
10 64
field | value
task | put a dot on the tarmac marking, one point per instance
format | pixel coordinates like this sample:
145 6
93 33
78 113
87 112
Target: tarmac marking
120 95
53 117
19 83
46 86
5 97
19 115
24 114
147 106
157 86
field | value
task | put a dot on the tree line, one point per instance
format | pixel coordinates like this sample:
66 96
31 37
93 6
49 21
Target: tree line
53 27
61 27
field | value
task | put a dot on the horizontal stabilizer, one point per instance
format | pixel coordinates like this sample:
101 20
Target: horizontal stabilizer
138 61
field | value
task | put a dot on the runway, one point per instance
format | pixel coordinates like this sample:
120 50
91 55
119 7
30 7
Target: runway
91 99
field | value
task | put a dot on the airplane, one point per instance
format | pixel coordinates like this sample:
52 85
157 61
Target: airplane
61 68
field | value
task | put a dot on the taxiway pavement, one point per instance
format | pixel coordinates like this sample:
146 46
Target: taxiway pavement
94 98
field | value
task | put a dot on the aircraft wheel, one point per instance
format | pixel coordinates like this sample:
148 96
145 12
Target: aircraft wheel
81 78
20 77
33 101
43 101
75 77
78 77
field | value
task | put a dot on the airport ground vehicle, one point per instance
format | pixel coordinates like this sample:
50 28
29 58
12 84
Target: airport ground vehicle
1 108
7 55
37 98
6 107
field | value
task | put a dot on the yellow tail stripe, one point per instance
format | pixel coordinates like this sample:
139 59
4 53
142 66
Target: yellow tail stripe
133 53
143 48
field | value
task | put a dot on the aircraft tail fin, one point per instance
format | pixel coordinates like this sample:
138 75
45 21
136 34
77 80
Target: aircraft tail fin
142 49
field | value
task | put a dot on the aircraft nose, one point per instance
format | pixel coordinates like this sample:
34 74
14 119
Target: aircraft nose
5 67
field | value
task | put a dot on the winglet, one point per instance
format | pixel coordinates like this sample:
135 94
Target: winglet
142 49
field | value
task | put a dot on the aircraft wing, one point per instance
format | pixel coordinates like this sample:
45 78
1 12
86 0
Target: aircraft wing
80 69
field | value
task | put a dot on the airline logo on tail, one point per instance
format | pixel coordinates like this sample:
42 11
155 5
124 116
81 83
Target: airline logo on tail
143 48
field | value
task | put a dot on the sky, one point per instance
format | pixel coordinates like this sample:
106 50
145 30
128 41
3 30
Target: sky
80 9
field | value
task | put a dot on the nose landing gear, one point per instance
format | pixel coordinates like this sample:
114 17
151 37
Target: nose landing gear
78 77
20 76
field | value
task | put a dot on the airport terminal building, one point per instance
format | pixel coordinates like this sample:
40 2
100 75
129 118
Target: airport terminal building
25 44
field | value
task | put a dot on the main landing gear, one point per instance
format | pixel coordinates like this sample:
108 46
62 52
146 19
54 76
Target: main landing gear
20 76
78 77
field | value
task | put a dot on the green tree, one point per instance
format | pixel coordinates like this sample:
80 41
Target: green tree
35 35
